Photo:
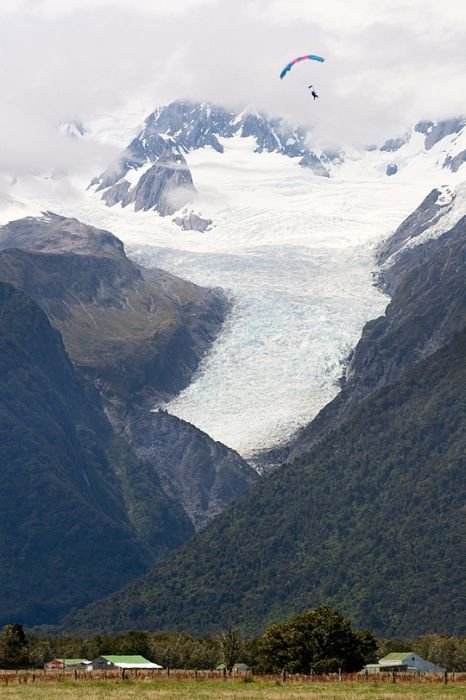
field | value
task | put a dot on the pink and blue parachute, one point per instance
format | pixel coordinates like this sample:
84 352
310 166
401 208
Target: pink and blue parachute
310 57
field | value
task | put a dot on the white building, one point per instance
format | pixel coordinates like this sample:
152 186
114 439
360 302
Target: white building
404 662
111 661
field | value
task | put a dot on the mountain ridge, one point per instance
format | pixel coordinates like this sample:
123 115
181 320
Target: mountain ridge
416 322
301 559
110 420
51 455
174 130
378 498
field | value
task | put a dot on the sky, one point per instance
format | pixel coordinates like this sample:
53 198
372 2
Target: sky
388 64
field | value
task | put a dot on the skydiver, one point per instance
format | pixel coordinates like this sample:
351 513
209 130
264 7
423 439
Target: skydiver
313 93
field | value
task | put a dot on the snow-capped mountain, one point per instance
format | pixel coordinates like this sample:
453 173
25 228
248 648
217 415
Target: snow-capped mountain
451 132
294 251
152 172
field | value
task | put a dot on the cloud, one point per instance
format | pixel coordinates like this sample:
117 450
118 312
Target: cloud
108 62
59 8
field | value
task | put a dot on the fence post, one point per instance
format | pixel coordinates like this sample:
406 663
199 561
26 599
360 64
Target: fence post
445 677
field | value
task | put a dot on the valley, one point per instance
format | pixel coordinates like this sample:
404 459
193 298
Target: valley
282 285
294 252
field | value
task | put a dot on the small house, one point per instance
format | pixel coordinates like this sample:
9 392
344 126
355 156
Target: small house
134 662
66 664
240 668
237 668
403 662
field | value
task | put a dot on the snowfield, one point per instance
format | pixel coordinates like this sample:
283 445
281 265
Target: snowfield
294 252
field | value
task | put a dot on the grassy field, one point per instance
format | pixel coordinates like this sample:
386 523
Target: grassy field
215 690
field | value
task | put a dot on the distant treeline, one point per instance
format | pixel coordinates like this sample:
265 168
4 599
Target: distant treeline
272 652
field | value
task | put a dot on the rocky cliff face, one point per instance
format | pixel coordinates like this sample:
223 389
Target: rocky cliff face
138 333
436 131
165 187
431 210
195 470
137 336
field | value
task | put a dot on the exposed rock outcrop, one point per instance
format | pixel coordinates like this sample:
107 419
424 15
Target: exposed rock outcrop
193 222
194 470
454 163
180 127
165 187
436 131
136 332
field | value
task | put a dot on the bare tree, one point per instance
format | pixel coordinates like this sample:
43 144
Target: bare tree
231 646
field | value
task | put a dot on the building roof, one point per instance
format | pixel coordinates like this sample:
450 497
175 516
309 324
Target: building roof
133 661
397 656
70 662
406 660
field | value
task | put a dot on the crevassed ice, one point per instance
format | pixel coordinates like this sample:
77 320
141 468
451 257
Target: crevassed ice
296 315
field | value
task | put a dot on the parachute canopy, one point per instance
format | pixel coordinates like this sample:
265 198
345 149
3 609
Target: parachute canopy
310 57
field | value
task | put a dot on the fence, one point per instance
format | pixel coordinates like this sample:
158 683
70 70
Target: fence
78 675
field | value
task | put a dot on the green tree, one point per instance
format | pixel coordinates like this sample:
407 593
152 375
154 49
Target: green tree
367 646
14 647
131 643
40 651
231 647
443 650
319 640
96 646
183 651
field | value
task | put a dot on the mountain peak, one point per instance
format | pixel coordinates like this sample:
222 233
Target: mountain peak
52 233
180 127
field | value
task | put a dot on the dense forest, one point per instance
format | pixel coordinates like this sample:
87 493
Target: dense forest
371 520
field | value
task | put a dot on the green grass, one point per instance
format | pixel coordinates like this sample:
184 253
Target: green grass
217 690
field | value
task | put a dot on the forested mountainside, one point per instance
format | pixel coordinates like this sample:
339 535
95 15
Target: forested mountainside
137 335
371 518
82 454
62 512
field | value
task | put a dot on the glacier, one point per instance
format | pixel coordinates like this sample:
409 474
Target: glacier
295 252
